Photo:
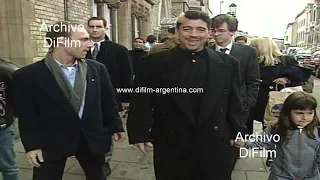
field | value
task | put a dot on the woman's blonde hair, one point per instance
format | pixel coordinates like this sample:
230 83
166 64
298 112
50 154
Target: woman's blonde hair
268 50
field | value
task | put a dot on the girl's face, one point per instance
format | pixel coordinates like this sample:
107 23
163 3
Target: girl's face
302 117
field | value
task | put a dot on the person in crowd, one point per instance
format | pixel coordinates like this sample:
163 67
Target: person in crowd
137 52
66 106
273 73
223 29
151 41
241 40
210 40
298 125
290 61
170 43
190 132
117 60
8 164
163 40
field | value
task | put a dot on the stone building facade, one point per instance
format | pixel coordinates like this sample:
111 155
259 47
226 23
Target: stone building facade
22 23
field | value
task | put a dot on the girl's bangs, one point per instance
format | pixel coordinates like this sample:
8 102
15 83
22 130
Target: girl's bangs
304 104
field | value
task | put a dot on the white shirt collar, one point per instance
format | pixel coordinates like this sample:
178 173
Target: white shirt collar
229 46
62 65
99 42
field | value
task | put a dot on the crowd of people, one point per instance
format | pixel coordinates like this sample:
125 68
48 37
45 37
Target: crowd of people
67 103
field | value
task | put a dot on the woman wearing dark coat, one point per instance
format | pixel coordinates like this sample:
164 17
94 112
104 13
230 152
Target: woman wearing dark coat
276 72
275 68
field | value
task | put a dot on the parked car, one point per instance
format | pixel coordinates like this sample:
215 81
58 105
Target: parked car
314 63
292 50
302 54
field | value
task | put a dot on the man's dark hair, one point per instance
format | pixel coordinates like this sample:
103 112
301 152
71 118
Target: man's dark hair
172 29
98 18
218 20
140 39
60 29
151 39
194 15
241 38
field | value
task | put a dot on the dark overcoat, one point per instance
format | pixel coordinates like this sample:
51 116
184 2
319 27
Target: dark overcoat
186 148
47 120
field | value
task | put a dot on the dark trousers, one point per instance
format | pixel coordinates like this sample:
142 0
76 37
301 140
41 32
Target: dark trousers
250 125
244 119
92 165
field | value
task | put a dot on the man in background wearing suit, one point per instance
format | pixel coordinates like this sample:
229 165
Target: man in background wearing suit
116 58
66 106
223 27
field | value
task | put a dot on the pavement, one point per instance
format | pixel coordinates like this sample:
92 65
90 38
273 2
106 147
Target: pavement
128 163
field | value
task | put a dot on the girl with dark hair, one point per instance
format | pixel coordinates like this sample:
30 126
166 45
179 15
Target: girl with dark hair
298 148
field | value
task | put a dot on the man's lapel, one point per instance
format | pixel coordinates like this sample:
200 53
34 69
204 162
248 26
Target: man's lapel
214 87
173 77
92 80
50 85
236 51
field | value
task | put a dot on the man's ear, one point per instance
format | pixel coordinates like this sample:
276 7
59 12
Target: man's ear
62 41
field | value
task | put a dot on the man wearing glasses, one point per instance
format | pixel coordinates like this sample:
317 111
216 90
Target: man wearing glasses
223 28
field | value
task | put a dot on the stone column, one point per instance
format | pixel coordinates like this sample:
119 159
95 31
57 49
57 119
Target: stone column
140 17
124 25
133 28
100 7
15 32
114 20
147 23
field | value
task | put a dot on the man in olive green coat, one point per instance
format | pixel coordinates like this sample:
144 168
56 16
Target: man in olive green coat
170 43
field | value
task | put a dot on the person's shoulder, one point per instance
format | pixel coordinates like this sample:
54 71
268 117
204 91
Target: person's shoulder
155 55
161 46
29 69
244 47
226 58
93 63
117 46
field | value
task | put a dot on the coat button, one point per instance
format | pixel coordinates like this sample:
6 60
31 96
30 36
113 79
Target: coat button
225 91
216 128
165 112
221 109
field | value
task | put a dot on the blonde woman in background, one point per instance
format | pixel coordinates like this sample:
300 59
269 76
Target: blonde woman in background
272 72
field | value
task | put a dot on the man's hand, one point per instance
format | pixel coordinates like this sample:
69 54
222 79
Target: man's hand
142 146
281 81
239 143
34 156
119 136
231 142
125 106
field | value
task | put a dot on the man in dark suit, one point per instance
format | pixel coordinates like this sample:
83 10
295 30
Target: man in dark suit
137 52
193 111
66 106
117 60
223 28
114 56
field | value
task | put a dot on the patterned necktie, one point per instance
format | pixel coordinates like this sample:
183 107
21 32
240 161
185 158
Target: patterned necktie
95 51
223 50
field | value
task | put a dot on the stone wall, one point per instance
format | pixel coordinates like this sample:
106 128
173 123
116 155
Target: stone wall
21 35
47 12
